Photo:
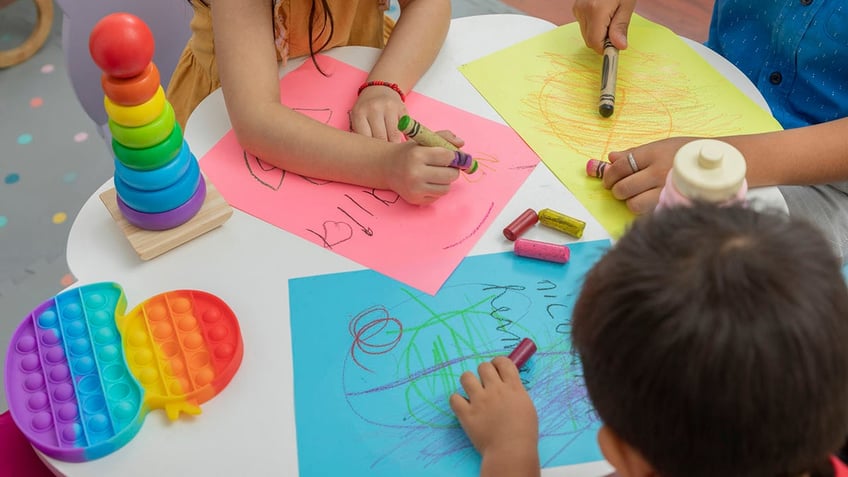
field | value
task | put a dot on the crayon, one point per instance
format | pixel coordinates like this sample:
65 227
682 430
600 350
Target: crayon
595 168
563 223
518 226
606 104
550 252
416 131
522 352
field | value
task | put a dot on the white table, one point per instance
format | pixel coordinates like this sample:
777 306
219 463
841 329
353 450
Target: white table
249 428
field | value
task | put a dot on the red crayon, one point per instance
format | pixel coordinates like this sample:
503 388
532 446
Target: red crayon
522 352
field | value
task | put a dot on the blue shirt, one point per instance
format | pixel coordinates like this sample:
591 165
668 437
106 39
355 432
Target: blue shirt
794 51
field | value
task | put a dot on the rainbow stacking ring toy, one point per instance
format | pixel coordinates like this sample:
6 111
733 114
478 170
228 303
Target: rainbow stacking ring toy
155 171
81 375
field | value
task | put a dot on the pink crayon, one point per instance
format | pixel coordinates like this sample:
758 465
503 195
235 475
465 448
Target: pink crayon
522 352
595 168
550 252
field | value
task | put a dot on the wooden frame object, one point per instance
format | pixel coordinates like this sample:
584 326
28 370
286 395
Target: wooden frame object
36 39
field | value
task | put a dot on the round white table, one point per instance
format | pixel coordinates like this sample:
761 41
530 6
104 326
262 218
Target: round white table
249 428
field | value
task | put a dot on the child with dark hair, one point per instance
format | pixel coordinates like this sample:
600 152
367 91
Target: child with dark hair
238 45
713 343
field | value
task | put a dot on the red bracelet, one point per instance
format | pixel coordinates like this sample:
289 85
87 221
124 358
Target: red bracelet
393 86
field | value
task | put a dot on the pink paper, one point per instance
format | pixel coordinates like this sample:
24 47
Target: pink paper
417 245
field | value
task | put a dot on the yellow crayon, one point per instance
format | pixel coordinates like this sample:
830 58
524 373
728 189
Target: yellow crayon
563 223
425 137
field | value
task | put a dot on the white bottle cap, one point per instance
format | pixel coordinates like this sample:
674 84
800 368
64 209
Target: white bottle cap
708 169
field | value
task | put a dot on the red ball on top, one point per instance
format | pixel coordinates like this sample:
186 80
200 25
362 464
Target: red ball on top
121 44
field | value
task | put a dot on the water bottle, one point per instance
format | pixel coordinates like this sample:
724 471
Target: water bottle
707 170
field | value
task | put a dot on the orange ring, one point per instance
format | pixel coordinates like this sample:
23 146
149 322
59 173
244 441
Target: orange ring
132 91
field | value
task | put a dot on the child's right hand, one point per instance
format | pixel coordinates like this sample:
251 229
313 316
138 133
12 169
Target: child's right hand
601 18
499 416
422 174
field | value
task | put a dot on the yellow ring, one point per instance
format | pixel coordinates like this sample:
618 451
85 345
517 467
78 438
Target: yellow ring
138 115
148 135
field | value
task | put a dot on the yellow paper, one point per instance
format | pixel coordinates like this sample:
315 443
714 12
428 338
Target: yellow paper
547 89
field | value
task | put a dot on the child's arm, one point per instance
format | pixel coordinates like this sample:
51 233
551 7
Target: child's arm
500 420
601 18
413 45
815 154
248 69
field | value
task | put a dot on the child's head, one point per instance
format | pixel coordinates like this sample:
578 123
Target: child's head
714 342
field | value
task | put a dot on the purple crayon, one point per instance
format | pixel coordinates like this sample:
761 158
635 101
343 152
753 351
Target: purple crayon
522 352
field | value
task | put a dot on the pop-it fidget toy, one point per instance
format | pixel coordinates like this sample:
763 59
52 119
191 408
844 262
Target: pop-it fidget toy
81 375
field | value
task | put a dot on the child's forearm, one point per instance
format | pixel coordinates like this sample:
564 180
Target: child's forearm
514 461
811 155
414 42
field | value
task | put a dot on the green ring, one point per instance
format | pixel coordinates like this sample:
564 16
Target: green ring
151 157
148 135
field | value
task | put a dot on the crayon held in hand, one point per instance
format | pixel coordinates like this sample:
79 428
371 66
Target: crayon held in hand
595 168
425 137
606 104
522 352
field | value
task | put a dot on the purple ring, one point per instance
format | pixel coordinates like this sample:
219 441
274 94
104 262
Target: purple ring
170 218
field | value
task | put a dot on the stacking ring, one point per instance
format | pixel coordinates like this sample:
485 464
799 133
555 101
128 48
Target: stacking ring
632 161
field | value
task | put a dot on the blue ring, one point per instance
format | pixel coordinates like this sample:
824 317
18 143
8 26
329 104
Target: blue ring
153 202
159 178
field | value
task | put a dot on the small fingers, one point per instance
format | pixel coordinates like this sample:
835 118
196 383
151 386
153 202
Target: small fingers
470 384
506 369
645 202
458 404
488 374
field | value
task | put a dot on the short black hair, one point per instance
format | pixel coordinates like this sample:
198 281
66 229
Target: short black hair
714 340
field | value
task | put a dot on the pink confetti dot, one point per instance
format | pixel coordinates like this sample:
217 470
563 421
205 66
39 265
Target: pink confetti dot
36 102
80 136
68 280
48 68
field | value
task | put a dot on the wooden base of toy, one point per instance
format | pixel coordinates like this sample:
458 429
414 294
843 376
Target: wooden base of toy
35 40
150 243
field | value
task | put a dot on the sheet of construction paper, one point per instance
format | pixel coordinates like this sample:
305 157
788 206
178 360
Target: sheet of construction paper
376 361
547 89
418 245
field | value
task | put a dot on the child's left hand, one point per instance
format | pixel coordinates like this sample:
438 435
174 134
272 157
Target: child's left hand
376 114
498 415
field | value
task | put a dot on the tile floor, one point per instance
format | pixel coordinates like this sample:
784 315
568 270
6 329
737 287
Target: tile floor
51 160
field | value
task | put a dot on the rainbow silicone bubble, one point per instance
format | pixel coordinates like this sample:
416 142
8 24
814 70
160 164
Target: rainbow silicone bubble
81 376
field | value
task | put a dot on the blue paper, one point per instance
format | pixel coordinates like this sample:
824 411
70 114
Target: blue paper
375 362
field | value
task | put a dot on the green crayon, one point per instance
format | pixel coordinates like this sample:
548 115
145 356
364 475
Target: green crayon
419 133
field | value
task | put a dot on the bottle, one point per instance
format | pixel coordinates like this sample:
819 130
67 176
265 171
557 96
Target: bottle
707 170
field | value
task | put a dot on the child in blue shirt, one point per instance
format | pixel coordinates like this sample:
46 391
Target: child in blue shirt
712 343
796 53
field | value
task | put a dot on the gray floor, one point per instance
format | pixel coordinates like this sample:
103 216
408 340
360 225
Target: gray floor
51 160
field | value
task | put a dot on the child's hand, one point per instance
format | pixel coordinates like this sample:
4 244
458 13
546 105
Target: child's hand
376 114
420 174
499 416
601 18
641 189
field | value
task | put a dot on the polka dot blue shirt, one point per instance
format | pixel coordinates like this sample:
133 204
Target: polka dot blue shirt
794 51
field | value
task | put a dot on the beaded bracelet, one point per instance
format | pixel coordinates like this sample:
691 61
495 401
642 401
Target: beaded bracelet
393 86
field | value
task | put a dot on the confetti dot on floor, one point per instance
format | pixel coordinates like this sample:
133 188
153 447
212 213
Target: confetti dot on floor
67 280
3 221
70 177
48 68
36 102
12 178
25 139
80 136
59 217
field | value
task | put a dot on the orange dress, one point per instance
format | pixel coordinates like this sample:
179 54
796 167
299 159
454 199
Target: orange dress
356 22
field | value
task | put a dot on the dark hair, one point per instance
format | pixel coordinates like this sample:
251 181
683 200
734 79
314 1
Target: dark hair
326 21
715 342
